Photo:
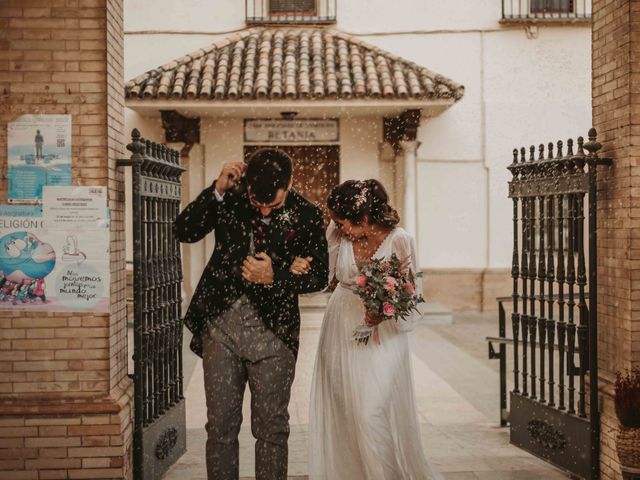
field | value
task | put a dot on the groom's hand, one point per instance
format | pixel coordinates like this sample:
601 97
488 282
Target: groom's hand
229 176
258 269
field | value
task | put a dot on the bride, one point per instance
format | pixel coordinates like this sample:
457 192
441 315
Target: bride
363 420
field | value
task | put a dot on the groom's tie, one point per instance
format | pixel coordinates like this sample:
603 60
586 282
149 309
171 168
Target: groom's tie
260 226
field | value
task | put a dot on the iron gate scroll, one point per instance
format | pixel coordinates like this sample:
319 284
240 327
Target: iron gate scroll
159 424
554 319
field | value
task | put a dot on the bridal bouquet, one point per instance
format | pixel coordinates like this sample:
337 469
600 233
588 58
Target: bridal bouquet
387 289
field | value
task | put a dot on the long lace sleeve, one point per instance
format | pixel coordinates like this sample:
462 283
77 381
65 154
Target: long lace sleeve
333 241
404 246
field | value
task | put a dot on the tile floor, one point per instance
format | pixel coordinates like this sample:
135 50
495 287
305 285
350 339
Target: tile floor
457 392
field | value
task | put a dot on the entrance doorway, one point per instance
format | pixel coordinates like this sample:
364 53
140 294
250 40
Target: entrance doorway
316 170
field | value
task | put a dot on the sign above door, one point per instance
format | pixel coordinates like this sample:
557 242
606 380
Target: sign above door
291 131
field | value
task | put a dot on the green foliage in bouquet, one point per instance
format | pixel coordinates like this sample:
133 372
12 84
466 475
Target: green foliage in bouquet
387 287
627 398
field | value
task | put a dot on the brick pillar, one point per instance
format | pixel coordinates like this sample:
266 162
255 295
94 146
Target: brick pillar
616 115
65 398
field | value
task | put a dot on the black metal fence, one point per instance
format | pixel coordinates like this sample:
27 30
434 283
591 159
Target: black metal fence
560 10
290 11
554 411
159 424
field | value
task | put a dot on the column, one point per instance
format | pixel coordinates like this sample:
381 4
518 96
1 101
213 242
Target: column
616 116
387 170
407 184
66 400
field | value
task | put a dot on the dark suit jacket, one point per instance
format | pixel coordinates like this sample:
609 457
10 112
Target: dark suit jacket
296 229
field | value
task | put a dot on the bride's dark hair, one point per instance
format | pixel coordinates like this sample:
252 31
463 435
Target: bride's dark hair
354 200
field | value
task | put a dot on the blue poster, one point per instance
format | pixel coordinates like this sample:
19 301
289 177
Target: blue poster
39 154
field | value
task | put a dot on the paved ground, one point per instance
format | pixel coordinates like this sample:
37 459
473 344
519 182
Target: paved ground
457 392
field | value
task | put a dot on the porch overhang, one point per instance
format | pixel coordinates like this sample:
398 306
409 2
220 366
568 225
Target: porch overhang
303 108
314 71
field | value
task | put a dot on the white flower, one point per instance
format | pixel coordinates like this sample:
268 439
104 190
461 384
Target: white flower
285 217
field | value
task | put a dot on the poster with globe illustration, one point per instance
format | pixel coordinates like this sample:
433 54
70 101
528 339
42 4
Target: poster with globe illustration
43 268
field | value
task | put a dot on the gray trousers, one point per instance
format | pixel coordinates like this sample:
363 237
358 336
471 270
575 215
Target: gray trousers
241 349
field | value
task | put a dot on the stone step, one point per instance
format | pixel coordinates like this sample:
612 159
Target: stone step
435 314
297 477
313 301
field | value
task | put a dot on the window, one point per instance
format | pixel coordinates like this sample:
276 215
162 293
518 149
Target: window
285 7
291 12
546 11
551 6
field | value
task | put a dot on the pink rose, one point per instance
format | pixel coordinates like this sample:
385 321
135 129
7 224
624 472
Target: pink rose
391 283
388 309
410 288
362 281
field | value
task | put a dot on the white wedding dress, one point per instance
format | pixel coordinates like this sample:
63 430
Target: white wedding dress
363 423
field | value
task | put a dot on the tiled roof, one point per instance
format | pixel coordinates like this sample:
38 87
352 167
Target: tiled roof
291 63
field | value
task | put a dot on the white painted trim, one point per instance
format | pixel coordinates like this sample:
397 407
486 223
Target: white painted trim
450 160
253 108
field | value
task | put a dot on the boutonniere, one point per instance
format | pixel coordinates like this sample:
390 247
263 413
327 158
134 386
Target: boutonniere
286 217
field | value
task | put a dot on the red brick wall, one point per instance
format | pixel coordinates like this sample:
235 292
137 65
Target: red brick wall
65 398
616 115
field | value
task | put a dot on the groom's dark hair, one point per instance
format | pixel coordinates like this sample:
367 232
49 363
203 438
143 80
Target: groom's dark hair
268 170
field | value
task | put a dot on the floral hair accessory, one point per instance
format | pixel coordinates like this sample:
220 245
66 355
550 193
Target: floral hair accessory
361 197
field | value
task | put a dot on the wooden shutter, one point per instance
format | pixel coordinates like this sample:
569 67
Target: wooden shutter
292 6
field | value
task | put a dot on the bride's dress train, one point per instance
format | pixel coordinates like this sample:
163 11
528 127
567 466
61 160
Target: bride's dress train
363 420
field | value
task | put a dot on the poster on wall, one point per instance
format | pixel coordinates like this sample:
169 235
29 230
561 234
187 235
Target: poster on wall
75 207
39 154
53 266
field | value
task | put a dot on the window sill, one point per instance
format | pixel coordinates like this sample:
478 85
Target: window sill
284 20
546 21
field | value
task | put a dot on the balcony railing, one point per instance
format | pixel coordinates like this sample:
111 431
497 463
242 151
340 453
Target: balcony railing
546 10
290 11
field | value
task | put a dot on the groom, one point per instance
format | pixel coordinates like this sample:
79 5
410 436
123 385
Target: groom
244 314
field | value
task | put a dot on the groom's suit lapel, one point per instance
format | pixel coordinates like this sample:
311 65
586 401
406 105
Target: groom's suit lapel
285 220
238 218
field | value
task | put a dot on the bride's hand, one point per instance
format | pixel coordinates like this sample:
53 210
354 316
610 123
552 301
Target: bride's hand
300 265
372 319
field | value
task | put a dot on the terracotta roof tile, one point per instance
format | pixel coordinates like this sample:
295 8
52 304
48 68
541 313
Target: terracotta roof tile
271 63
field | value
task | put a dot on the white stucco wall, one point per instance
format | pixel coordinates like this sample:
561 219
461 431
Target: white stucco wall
545 97
360 16
359 145
519 90
144 52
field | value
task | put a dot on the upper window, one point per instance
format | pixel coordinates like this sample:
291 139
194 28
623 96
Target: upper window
551 6
546 10
291 11
287 7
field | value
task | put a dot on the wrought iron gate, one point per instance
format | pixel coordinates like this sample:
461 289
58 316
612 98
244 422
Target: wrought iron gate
159 424
554 410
